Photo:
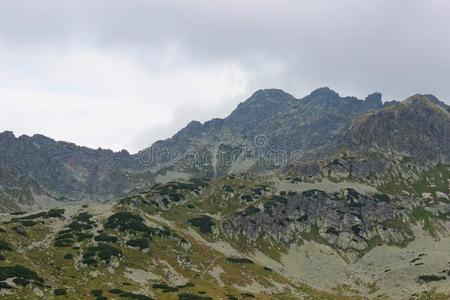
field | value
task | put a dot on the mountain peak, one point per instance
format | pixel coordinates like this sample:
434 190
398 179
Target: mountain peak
374 100
324 92
265 93
7 135
419 99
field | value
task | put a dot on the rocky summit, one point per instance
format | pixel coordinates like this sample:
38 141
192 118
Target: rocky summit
322 197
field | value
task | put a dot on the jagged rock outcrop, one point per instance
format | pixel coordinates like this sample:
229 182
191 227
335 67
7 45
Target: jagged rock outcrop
417 127
346 220
64 171
271 122
269 130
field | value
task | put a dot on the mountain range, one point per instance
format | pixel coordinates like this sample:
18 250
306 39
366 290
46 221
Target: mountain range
263 133
323 197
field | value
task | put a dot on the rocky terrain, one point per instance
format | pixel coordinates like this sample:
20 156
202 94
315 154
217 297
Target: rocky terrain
234 237
271 120
324 197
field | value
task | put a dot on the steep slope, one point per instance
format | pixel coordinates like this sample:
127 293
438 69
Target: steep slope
235 237
64 171
417 127
262 134
270 120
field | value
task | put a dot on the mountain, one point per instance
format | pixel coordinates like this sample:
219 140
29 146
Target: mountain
324 197
417 127
270 120
44 170
232 237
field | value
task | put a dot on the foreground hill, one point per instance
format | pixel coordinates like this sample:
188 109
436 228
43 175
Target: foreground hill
234 237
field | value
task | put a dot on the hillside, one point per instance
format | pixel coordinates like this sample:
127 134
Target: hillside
237 237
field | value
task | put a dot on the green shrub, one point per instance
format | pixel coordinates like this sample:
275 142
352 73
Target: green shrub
141 244
64 243
68 256
186 296
4 286
129 295
237 260
165 288
127 221
18 271
431 278
203 223
103 237
4 246
104 252
28 223
55 213
21 281
59 292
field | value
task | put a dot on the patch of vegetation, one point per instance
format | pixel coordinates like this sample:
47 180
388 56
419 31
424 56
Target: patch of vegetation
75 231
431 278
68 256
21 281
4 286
55 213
103 237
20 230
421 214
238 260
382 198
203 223
129 295
185 296
251 210
399 224
60 292
4 246
19 272
141 244
274 201
165 288
432 180
128 222
98 295
52 213
246 198
103 252
312 234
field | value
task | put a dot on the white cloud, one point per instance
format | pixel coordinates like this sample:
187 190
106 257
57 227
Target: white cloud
99 97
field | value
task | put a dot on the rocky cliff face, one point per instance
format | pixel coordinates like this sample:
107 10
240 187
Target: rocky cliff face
270 126
348 220
270 120
417 127
64 171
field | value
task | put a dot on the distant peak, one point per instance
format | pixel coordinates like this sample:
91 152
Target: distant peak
7 135
264 93
374 100
419 101
194 124
324 92
374 97
418 98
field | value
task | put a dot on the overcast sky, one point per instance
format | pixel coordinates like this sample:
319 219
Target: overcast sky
122 74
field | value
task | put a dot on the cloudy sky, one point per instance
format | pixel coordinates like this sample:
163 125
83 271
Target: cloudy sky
122 74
